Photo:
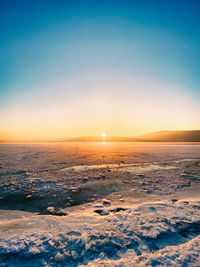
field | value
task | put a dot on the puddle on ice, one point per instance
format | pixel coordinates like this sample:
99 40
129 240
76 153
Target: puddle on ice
50 195
61 198
119 168
148 168
182 160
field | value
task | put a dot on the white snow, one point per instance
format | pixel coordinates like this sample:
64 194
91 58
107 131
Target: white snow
158 232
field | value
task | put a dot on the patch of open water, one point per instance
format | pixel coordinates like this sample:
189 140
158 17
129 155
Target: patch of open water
134 168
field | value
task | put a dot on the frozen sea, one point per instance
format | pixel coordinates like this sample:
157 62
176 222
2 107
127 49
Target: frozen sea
100 204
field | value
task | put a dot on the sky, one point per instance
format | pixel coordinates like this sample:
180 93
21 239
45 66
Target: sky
80 68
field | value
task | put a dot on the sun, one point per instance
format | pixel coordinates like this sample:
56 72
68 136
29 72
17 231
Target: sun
103 134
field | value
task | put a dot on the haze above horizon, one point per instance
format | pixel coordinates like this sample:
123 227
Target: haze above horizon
83 68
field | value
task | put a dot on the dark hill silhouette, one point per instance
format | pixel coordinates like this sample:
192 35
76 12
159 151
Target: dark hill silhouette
161 136
172 136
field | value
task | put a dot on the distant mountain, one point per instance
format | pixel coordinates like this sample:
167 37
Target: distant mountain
161 136
172 136
101 139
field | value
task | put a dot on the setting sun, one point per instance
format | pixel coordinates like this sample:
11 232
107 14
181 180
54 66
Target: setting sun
103 134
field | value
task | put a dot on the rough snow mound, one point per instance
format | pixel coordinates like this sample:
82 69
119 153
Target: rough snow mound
153 234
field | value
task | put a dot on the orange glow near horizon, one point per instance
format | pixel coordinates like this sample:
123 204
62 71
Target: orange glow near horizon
119 112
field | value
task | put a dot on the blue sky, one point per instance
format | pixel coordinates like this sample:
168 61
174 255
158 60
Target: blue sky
62 53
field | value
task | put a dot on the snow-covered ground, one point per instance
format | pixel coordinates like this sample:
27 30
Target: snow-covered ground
100 205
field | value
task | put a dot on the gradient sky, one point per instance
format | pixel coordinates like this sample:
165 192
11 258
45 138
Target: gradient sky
80 68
